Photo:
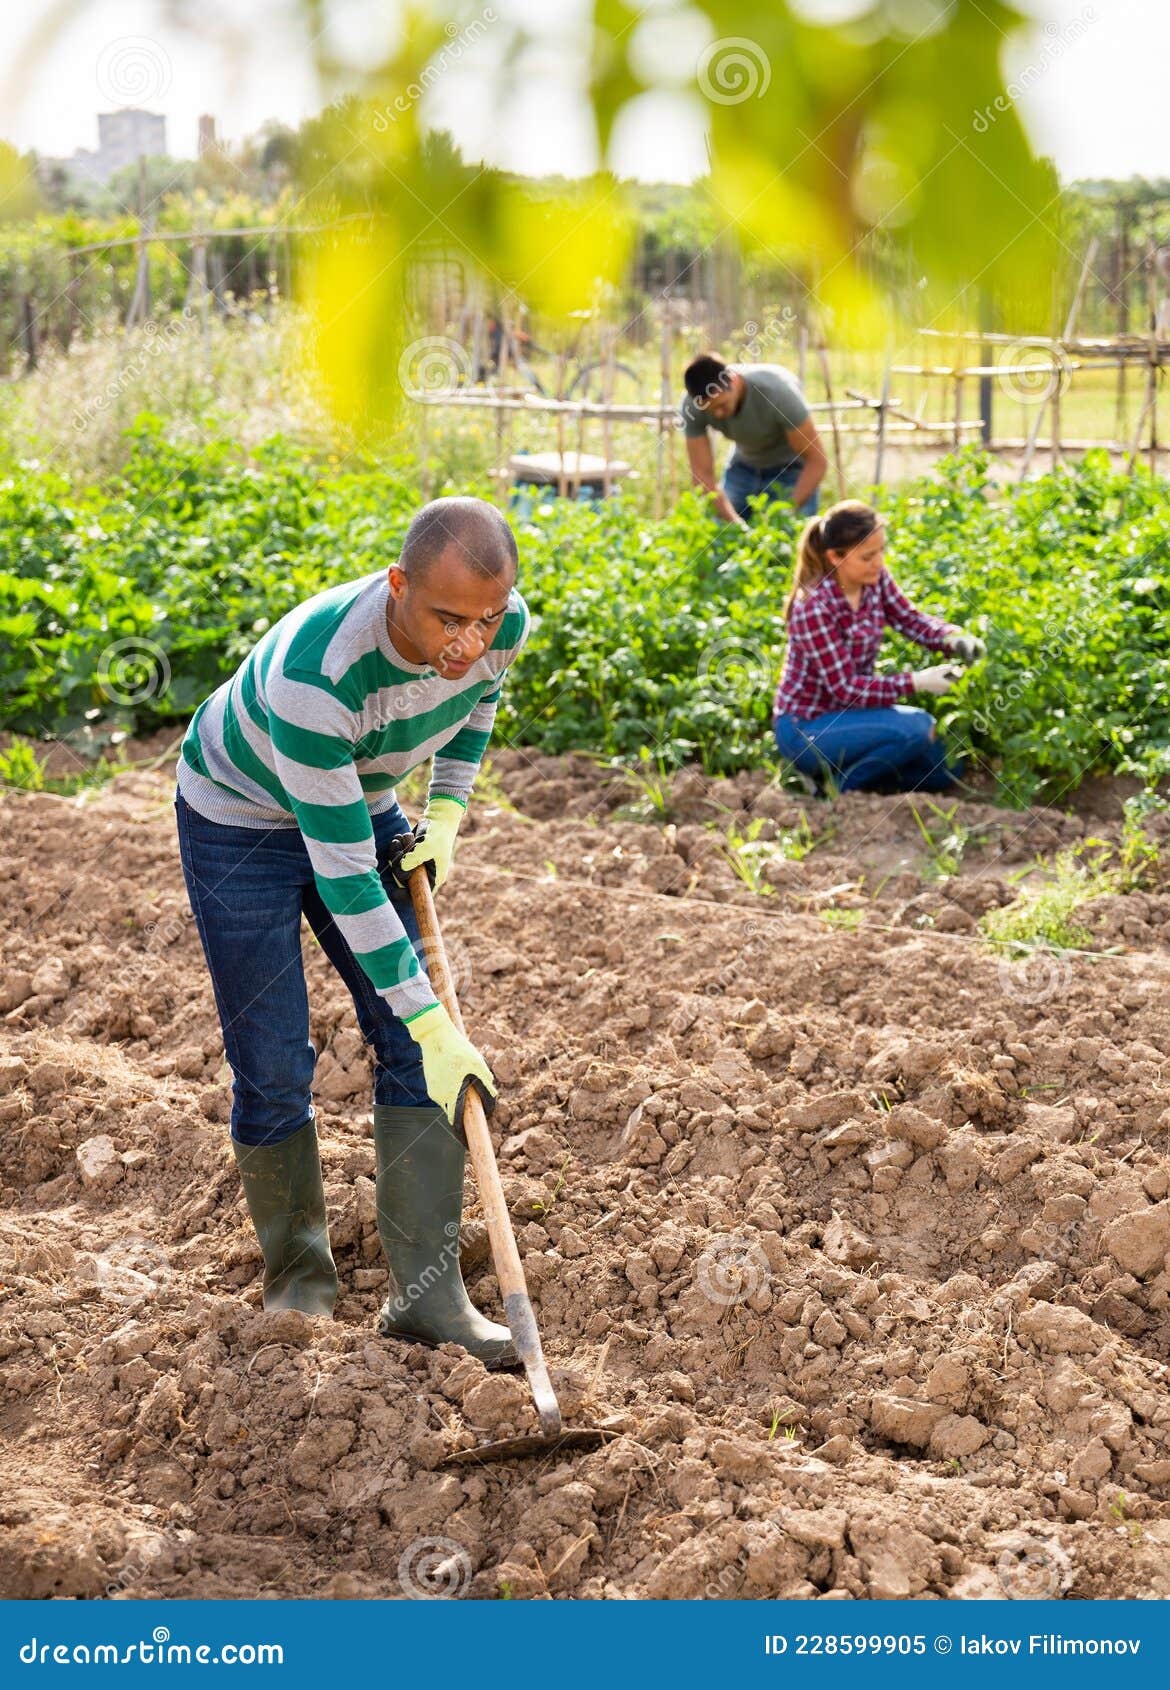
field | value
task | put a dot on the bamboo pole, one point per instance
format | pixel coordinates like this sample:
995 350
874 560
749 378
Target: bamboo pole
1074 309
625 413
1056 454
823 357
29 334
903 424
986 383
882 408
479 369
425 454
1135 446
1122 306
509 416
562 477
1033 436
669 420
504 417
140 298
664 399
71 291
581 414
1058 367
1053 397
1155 357
507 350
607 400
966 370
164 236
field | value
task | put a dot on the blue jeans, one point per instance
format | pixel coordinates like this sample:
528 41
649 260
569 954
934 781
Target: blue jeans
859 749
249 888
740 481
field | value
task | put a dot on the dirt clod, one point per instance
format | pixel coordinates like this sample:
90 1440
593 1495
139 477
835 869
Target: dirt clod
856 1238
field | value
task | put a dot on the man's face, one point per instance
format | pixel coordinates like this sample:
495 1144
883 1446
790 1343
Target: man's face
453 614
721 398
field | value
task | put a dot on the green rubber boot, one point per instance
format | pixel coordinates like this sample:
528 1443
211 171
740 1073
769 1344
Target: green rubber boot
420 1165
286 1200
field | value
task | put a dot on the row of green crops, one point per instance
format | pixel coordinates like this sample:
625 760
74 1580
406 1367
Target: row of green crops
661 635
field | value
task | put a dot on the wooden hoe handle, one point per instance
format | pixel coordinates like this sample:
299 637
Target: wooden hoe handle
505 1255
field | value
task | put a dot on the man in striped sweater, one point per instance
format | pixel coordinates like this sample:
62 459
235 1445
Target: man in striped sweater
286 807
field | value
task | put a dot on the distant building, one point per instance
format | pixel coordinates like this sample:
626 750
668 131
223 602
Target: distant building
123 138
207 140
126 136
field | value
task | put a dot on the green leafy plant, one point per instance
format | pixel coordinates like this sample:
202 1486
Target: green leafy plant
1045 915
197 549
650 774
748 854
796 843
945 840
542 1208
1128 1525
1139 855
847 919
19 767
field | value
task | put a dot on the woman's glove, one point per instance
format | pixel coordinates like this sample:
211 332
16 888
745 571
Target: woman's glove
449 1060
939 678
434 840
968 648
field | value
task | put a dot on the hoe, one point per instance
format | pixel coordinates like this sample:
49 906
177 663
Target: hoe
505 1256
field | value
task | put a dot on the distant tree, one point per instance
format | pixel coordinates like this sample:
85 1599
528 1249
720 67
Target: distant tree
165 178
276 150
20 195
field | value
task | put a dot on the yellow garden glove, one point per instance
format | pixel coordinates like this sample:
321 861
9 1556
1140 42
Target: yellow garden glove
449 1060
434 839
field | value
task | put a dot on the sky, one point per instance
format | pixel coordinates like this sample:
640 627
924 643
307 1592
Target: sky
1089 78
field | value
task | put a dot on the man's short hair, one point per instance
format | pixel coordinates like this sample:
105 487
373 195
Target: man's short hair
479 533
707 374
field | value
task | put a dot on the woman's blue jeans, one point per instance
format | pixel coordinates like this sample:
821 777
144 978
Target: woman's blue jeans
741 481
859 749
249 888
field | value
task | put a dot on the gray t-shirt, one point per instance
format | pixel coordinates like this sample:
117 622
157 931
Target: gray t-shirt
772 404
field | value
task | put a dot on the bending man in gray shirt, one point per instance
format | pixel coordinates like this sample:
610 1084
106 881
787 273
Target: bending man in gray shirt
760 407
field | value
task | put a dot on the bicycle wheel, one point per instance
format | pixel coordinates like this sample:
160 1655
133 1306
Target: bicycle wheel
589 384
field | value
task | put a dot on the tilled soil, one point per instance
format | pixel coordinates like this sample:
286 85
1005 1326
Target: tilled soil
851 1233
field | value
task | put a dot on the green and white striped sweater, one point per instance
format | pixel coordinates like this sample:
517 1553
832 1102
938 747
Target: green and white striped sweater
313 731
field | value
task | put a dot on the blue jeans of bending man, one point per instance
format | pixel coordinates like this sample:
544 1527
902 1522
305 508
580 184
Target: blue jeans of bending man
249 888
741 481
860 749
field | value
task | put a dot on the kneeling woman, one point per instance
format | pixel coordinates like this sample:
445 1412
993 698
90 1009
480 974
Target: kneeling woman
833 717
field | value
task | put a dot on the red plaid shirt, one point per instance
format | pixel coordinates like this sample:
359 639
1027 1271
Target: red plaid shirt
832 648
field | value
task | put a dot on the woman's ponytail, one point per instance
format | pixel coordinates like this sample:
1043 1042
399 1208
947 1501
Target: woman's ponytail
845 525
811 562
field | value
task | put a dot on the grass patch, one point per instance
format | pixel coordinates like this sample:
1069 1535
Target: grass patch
945 839
842 918
1047 914
20 768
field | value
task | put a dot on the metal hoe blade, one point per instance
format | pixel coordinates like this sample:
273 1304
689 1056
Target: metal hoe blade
509 1449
